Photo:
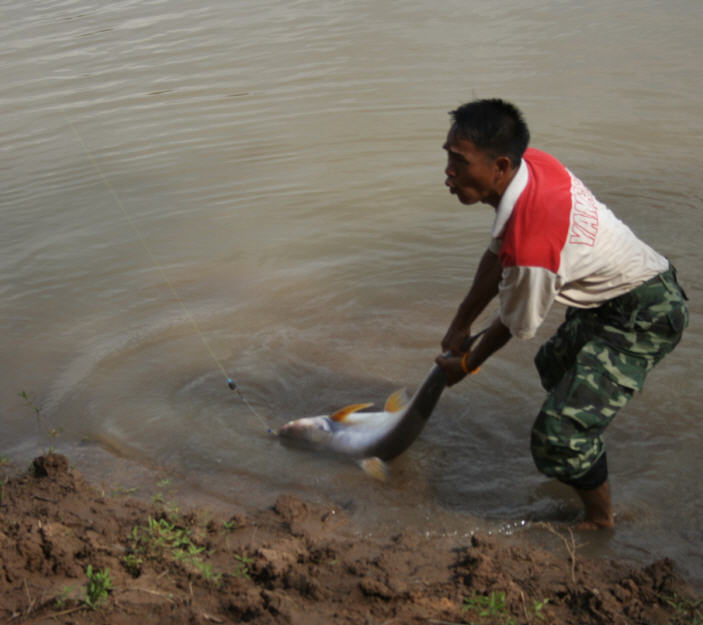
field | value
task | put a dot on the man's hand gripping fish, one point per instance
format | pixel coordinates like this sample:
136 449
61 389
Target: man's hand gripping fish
371 438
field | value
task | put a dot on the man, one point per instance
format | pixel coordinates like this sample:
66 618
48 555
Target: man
553 241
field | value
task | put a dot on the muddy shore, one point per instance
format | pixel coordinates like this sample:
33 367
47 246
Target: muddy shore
72 554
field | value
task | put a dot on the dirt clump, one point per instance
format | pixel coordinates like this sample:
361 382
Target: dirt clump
71 555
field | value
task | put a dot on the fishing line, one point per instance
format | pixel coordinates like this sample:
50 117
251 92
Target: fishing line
164 277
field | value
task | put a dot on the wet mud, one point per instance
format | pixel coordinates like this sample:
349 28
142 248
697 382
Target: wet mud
71 553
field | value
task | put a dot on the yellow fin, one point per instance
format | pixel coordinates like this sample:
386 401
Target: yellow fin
375 468
396 401
342 414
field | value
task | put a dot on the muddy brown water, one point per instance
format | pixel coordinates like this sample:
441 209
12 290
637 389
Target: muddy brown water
259 186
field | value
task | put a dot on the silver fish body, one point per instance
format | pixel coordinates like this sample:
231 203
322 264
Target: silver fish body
360 435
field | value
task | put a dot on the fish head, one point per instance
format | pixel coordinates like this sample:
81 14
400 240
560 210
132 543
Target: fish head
315 432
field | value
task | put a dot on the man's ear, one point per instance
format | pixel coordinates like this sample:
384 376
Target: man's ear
504 164
503 168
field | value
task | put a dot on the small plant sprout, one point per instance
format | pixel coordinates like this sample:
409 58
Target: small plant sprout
242 568
491 607
133 564
52 432
99 585
162 537
65 595
689 611
208 573
537 607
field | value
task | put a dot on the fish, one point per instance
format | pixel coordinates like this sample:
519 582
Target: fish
370 438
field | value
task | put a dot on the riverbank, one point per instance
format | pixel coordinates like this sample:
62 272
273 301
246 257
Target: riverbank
73 554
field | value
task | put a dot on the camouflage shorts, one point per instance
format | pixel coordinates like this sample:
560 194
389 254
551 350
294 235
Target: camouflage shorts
592 366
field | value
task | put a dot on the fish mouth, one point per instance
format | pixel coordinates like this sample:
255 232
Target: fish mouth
290 430
304 435
303 429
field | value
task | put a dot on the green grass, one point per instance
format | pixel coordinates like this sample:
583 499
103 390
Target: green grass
490 607
242 569
229 526
161 538
99 585
41 420
65 595
133 564
688 611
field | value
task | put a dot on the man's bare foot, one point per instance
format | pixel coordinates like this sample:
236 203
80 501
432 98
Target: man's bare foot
599 509
588 526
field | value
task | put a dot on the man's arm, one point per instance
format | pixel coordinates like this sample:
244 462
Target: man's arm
496 336
483 289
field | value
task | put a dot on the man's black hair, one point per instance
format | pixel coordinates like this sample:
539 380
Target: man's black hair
495 126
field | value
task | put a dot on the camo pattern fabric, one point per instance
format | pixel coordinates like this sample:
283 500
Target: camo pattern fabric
592 366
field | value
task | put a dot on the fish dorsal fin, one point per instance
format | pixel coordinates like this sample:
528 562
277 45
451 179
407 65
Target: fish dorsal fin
342 414
396 401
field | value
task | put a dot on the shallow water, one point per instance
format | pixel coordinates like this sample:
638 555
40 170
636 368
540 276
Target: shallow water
255 190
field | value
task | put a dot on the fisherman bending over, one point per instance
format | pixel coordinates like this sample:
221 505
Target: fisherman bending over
553 241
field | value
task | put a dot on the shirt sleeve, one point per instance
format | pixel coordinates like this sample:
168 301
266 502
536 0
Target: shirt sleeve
494 246
526 296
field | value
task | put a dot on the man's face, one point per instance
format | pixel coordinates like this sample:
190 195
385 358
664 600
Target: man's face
472 174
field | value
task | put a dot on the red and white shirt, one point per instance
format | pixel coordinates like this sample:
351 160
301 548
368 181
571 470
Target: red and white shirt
557 242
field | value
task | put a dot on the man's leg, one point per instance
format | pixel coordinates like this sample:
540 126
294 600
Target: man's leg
594 491
599 509
567 438
590 370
